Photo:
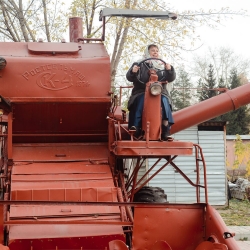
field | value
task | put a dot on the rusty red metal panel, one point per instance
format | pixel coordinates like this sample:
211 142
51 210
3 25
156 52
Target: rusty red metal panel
43 211
82 180
217 230
61 177
89 242
153 148
152 114
117 245
3 247
47 76
162 245
57 192
66 122
63 172
53 87
90 153
89 50
1 224
75 28
182 227
85 168
54 47
9 138
67 231
79 167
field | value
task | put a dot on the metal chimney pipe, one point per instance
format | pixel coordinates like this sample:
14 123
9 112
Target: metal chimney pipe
211 108
75 29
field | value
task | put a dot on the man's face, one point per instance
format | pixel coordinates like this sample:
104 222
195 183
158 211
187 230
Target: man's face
153 52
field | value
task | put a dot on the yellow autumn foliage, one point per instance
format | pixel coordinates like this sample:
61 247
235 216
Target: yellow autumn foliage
127 38
242 154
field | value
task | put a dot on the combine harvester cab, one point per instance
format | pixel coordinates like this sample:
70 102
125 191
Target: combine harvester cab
65 147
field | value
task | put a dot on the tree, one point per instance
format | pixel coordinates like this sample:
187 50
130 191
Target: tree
182 90
241 152
224 60
26 20
239 119
221 83
206 87
211 80
127 37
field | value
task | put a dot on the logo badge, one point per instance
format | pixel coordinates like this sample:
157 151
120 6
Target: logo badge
53 81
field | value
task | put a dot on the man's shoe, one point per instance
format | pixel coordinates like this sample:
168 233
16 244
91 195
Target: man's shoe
133 128
165 135
136 131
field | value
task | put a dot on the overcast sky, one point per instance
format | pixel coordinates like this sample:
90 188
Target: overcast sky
232 33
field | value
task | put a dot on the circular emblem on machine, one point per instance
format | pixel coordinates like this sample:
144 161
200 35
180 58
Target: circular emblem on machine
54 81
56 77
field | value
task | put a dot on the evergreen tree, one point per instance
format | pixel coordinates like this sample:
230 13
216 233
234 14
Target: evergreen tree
206 87
211 80
182 92
239 119
202 90
234 79
222 83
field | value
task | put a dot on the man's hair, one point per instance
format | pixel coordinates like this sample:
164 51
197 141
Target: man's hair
152 46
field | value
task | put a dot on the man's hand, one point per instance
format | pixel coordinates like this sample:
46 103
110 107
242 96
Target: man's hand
135 69
168 66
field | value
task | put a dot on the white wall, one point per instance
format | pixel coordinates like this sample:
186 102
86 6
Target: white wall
177 188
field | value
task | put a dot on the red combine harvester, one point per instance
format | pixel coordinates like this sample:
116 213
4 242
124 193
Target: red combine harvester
65 145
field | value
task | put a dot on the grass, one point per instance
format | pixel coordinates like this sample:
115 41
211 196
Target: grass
237 213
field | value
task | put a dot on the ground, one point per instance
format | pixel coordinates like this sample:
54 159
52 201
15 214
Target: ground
237 213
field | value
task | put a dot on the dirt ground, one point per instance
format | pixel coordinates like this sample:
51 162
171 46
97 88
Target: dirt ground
237 213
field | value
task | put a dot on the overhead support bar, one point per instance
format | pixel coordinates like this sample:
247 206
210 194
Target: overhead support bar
130 13
137 13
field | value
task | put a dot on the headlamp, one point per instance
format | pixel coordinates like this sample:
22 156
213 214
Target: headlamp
155 88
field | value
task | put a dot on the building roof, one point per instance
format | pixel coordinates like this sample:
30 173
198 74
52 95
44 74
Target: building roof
233 137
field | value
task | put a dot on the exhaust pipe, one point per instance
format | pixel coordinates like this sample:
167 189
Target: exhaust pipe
75 29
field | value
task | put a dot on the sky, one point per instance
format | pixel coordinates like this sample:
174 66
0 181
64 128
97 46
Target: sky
231 34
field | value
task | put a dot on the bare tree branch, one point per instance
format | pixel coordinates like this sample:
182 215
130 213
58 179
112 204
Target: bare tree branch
46 21
6 22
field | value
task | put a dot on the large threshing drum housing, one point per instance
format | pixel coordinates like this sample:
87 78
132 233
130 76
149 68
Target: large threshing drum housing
65 148
57 89
55 99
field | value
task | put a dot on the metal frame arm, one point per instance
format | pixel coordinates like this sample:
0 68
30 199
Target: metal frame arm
137 13
133 14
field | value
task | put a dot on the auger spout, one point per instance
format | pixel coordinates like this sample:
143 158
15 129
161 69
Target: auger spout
211 108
